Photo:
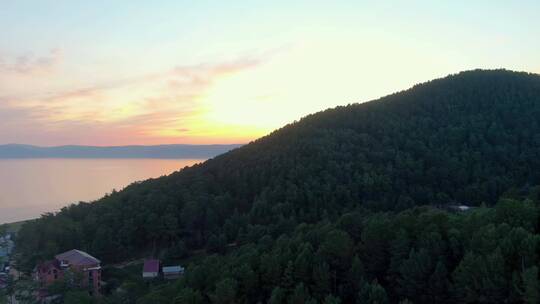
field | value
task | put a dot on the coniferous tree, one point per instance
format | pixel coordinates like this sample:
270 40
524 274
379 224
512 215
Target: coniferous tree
278 296
531 285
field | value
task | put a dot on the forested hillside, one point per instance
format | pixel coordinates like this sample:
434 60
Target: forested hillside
323 210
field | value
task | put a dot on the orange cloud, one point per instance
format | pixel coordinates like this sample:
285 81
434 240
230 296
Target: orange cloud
152 108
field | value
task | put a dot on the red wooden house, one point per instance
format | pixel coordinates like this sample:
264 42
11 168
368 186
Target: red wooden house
77 266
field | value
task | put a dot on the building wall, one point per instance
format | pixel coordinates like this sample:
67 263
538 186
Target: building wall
93 278
172 276
50 275
90 278
149 274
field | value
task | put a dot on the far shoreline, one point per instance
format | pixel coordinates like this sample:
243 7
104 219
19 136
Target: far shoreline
14 227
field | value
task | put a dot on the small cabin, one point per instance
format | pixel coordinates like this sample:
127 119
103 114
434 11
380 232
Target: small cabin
150 269
459 208
172 272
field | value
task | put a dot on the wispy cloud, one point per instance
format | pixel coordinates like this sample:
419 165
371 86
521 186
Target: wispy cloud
184 80
29 64
163 104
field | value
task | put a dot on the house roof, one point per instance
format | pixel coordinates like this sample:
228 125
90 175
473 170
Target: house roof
151 266
173 269
77 257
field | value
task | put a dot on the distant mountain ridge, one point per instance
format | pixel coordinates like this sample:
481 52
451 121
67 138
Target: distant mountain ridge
134 151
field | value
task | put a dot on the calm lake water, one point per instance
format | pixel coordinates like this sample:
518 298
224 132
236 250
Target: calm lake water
30 187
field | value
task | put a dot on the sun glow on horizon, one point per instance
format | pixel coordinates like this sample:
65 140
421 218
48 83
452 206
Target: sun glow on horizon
202 73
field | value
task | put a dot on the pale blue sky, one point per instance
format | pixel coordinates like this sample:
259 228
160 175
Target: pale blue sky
101 72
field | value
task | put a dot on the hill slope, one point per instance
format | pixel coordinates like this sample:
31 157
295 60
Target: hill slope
467 138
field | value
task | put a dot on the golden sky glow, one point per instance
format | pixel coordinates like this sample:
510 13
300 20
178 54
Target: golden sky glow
148 74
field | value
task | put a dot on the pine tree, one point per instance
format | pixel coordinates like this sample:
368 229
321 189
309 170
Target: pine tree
438 283
321 278
188 296
531 286
303 264
357 273
372 293
277 296
400 247
271 270
287 281
466 281
494 280
225 292
300 295
414 274
330 299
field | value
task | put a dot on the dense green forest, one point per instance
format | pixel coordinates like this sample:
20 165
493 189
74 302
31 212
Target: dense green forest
325 210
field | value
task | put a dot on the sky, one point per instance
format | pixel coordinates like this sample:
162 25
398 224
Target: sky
199 72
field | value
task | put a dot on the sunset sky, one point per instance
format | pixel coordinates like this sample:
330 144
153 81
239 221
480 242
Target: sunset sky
153 72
